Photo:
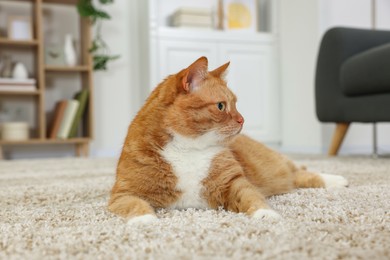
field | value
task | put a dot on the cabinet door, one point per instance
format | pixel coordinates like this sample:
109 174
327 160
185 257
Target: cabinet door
252 77
175 55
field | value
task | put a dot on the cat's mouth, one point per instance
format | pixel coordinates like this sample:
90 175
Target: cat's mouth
238 131
231 131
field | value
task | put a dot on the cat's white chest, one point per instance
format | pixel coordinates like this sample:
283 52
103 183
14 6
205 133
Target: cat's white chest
190 160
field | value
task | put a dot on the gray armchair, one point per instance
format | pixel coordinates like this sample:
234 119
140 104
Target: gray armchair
352 81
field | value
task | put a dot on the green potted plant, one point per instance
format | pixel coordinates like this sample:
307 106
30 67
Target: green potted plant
99 49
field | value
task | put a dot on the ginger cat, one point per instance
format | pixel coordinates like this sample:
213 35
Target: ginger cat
184 150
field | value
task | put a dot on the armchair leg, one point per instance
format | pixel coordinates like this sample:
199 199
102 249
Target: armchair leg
338 137
374 141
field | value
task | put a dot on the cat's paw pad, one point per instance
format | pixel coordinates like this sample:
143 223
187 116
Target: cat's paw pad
334 181
142 220
267 215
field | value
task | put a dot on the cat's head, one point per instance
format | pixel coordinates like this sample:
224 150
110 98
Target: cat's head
204 105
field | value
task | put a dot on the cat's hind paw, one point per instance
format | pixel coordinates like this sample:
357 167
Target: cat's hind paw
334 181
267 215
142 220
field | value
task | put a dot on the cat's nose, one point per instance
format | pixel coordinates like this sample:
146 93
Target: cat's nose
240 120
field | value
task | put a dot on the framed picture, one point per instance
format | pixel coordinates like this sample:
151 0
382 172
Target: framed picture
20 28
240 15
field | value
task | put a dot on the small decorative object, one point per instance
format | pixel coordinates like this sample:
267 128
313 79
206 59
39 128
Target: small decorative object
240 15
192 17
6 71
69 51
54 55
14 131
19 28
19 71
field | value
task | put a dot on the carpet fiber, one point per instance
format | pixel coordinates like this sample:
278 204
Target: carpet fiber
57 209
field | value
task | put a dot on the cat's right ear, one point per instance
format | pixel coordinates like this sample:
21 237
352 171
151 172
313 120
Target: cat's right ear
195 74
220 71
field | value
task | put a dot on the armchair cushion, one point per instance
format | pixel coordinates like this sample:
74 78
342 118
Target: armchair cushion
367 73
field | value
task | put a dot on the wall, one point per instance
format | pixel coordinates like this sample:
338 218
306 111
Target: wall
116 98
299 39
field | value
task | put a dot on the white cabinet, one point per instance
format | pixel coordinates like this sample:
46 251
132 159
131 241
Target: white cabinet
175 55
252 73
251 76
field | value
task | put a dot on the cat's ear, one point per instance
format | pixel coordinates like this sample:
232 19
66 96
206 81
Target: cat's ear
220 72
195 74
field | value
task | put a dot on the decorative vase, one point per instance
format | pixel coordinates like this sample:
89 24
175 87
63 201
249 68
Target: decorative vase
6 72
19 71
69 51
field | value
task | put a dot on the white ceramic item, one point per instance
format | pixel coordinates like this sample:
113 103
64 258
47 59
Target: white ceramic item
69 51
19 71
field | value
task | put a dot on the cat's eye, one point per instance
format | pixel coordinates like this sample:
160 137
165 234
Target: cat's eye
221 106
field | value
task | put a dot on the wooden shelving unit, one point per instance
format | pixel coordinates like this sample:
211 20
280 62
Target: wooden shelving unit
66 69
21 93
5 42
85 69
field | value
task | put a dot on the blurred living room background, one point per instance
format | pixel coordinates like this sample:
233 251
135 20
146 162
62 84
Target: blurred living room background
57 99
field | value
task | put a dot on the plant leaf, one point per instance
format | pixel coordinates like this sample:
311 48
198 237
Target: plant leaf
100 61
101 14
106 1
86 9
95 46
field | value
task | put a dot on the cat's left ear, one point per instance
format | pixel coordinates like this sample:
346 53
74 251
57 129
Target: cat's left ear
220 72
195 74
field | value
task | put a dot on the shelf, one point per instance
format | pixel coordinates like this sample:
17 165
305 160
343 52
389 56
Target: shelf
64 2
20 43
80 140
16 93
27 1
210 34
45 72
66 69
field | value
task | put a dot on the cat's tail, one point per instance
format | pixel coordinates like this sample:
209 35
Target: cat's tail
306 179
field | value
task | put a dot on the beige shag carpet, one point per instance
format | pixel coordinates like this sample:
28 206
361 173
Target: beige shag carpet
56 209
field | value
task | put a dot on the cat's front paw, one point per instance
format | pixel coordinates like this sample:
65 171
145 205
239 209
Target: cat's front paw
142 220
267 215
334 181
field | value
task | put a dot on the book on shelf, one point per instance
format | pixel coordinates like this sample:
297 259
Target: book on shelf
17 88
82 97
192 25
67 119
182 23
57 118
194 11
17 82
190 19
17 85
195 19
